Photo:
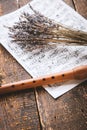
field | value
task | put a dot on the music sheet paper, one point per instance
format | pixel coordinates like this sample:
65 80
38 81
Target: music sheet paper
48 59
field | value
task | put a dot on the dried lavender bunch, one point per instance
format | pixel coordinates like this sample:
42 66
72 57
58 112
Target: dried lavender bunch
36 29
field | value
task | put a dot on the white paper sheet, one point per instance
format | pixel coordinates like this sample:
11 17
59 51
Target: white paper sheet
47 59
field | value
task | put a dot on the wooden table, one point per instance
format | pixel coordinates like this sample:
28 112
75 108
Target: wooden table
35 109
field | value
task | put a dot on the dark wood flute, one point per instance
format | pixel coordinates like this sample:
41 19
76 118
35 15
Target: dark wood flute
78 73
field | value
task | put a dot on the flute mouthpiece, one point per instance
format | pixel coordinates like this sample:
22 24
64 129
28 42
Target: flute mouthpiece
80 73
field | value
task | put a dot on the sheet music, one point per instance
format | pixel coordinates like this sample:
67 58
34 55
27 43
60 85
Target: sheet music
47 59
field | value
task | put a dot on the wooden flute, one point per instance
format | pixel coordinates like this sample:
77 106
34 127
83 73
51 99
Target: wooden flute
78 73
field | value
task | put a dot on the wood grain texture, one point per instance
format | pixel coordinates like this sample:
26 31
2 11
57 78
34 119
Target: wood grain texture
8 6
17 110
70 3
81 7
22 2
1 12
68 112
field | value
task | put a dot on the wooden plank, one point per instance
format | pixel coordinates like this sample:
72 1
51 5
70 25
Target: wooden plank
1 12
8 6
22 2
17 110
81 7
70 3
68 112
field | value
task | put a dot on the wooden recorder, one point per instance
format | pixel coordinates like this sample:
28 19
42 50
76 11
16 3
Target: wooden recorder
78 73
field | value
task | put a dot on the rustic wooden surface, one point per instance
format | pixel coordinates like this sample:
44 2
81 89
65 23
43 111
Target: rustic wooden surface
69 112
36 109
81 7
18 111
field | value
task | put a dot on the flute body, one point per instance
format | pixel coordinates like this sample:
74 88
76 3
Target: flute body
78 73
